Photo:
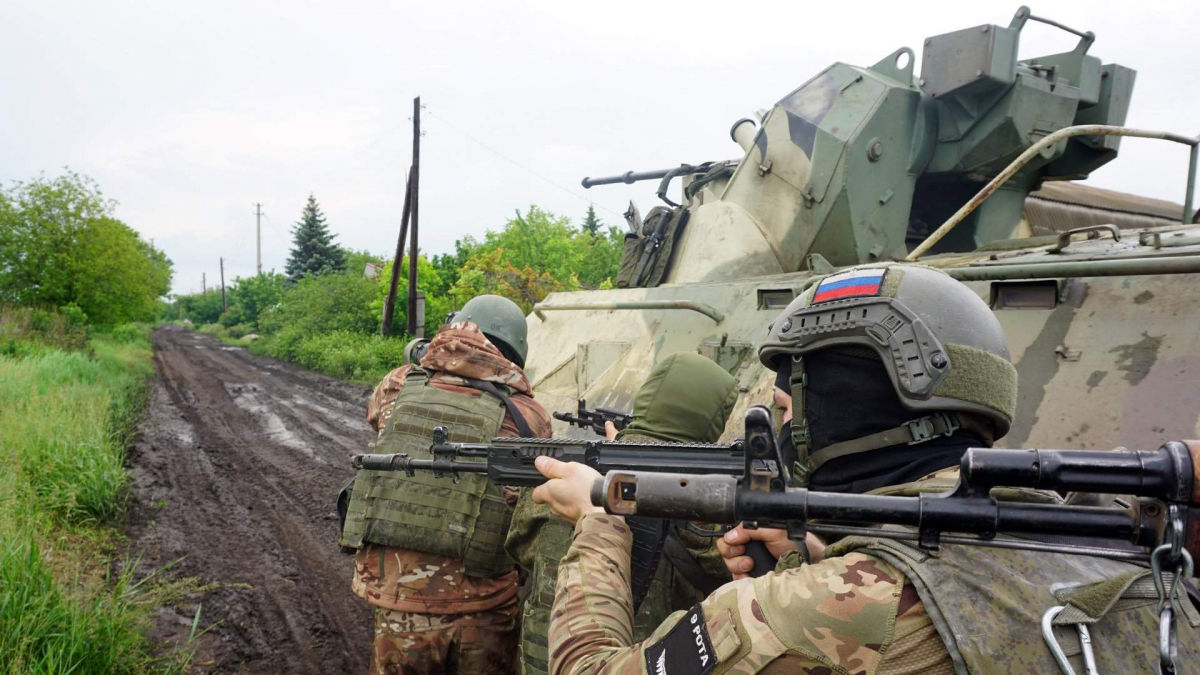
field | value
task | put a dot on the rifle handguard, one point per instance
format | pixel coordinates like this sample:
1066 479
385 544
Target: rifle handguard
709 499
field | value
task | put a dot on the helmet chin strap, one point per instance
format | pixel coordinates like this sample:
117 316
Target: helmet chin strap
800 434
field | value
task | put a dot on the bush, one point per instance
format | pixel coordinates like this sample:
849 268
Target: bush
28 331
333 302
240 330
342 354
130 333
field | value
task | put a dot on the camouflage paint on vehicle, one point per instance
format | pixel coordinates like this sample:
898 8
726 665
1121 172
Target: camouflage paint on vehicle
857 166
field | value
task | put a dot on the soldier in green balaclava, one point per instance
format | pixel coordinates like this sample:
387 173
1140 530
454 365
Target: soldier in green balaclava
686 398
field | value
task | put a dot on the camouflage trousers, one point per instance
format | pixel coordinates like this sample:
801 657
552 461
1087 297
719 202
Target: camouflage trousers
425 644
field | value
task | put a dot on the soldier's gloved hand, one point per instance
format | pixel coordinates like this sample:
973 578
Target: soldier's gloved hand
733 547
568 493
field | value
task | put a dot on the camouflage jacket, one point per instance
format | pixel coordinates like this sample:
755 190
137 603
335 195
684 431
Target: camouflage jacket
409 581
686 397
850 614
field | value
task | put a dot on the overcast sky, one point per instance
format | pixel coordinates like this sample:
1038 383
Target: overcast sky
189 113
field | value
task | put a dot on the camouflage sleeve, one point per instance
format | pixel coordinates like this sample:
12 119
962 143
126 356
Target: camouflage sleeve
835 616
379 406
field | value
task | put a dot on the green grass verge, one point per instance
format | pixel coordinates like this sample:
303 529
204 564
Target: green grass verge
355 357
66 418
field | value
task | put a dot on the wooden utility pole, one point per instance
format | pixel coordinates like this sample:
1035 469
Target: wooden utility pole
222 285
389 304
258 235
414 179
203 283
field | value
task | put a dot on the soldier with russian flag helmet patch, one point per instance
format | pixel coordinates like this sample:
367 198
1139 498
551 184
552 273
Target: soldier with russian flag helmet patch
943 350
866 350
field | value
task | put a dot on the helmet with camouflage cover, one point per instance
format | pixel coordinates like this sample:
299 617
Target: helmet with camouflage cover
502 321
943 349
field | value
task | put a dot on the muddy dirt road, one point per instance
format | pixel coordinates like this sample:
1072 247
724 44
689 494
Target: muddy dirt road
235 471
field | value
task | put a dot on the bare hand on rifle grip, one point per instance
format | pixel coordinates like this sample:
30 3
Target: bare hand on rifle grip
568 493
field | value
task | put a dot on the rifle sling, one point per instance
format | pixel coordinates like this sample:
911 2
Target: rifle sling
648 539
491 388
686 565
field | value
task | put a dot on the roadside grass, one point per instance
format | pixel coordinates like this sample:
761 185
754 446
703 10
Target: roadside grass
355 357
66 417
346 355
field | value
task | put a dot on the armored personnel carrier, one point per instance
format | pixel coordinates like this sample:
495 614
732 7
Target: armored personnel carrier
965 167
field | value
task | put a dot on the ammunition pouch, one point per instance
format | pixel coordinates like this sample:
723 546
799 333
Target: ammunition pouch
646 258
465 519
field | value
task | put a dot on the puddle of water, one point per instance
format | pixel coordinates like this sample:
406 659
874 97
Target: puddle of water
248 397
173 423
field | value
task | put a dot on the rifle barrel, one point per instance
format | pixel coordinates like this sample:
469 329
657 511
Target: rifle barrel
718 499
510 461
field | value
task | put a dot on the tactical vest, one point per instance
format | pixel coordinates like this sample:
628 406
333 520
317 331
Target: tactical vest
542 540
987 605
465 519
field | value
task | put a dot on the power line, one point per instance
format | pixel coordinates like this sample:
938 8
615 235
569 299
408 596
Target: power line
519 165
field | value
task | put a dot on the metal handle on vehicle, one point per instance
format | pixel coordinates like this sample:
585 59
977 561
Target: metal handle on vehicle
1093 232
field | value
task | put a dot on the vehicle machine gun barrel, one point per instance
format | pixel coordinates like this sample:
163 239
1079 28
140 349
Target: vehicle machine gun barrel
631 177
594 418
666 176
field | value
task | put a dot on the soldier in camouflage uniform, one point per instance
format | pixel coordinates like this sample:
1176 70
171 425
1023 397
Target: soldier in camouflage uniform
436 612
871 605
686 398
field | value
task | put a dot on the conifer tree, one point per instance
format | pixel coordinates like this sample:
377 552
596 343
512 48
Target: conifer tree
313 251
591 224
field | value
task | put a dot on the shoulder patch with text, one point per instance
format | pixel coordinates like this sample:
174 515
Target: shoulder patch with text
686 650
852 284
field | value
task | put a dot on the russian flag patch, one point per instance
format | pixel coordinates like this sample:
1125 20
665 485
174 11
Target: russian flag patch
851 284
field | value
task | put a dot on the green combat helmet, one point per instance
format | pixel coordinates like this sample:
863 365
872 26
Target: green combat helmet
941 346
501 321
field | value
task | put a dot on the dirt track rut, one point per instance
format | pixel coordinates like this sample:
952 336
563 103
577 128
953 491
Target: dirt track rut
235 471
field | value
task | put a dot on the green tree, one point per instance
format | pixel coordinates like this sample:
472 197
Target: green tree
313 251
535 254
591 224
488 273
356 261
199 308
438 301
251 296
61 247
325 303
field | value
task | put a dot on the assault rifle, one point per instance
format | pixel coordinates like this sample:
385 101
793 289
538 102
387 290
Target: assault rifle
594 418
1162 526
752 462
1165 483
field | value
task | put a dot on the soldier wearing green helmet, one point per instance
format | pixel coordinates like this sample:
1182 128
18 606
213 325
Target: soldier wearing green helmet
430 555
894 371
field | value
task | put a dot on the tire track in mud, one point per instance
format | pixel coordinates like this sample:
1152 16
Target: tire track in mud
235 471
